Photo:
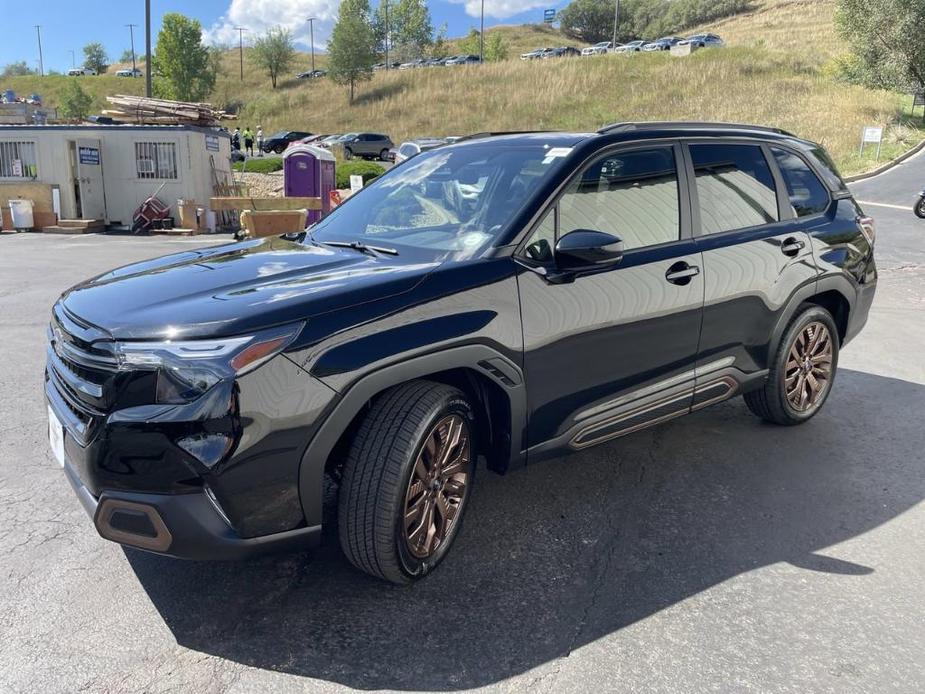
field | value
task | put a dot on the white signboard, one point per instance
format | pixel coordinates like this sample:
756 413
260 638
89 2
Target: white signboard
872 134
17 168
356 183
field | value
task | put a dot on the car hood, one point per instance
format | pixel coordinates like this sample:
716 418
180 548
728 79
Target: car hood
236 288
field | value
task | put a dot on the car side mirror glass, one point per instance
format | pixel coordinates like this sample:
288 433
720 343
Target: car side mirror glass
586 250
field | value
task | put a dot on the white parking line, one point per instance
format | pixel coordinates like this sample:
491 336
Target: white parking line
904 208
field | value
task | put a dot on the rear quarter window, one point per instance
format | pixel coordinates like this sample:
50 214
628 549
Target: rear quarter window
807 195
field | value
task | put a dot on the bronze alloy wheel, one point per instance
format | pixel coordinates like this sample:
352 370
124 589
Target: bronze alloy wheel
437 487
808 373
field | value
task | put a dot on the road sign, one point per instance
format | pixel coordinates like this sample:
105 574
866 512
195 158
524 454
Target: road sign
549 16
918 100
872 134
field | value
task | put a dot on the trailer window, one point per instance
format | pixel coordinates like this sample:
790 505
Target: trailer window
17 160
156 159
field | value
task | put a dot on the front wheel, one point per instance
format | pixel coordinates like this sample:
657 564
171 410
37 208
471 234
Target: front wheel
801 375
406 481
348 153
919 207
384 155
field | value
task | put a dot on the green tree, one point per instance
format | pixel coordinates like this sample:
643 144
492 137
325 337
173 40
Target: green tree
886 39
126 56
495 47
274 52
95 57
180 61
470 42
17 69
75 102
352 49
440 47
410 29
588 20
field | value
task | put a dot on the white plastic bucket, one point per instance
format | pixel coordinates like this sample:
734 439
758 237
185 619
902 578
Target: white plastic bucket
21 213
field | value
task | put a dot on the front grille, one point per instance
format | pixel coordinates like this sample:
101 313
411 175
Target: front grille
82 370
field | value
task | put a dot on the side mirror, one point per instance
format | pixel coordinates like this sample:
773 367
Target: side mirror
585 250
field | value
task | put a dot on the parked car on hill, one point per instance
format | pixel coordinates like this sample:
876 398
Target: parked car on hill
278 142
412 64
414 147
663 44
598 48
631 47
505 299
310 140
129 72
462 60
329 140
562 52
366 145
703 41
312 74
435 62
535 54
81 72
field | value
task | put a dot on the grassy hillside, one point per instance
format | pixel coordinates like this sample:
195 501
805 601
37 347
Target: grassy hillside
772 72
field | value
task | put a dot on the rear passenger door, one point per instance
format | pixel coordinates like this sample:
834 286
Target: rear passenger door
755 256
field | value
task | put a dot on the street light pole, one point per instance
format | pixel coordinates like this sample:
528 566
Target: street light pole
73 59
131 35
387 66
241 31
38 32
311 30
148 48
616 14
482 36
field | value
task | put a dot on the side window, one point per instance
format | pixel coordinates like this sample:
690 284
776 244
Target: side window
806 192
543 240
632 195
735 187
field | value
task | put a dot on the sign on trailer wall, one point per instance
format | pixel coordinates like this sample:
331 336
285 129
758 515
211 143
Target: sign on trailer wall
212 143
89 155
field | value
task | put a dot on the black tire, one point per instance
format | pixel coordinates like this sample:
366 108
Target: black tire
919 207
377 479
384 155
348 153
771 402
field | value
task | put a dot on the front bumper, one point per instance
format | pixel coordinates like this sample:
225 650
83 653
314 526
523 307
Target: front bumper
186 526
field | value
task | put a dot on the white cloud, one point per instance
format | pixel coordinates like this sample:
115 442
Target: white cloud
501 9
259 15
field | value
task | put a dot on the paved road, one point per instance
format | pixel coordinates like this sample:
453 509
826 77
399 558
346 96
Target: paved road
713 553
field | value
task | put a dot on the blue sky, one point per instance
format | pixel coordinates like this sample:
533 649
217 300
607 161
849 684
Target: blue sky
70 24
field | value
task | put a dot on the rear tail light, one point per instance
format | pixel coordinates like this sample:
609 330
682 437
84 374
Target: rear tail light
869 228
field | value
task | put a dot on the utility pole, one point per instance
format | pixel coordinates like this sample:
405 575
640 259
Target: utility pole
148 48
616 15
387 66
311 30
131 35
38 32
482 35
241 31
73 59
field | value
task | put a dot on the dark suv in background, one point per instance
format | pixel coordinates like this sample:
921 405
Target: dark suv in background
507 297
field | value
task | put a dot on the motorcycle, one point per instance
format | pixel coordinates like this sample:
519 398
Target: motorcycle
919 206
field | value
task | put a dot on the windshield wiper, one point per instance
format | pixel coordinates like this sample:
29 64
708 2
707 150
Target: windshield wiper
358 246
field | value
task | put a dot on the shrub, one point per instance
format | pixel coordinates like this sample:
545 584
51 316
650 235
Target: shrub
367 169
263 166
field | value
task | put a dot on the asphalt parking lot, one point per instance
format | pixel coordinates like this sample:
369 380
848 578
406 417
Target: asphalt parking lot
713 553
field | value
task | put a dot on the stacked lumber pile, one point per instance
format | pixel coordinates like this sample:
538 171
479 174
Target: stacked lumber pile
144 111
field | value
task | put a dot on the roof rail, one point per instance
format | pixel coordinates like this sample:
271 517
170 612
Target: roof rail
475 136
630 126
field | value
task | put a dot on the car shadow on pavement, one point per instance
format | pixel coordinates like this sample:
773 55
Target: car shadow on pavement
560 554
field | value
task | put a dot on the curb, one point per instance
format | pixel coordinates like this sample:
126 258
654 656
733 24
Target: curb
889 165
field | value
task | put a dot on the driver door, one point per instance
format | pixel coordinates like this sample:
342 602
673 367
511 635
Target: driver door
613 351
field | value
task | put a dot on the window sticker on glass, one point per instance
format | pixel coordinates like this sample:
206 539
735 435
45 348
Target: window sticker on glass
555 153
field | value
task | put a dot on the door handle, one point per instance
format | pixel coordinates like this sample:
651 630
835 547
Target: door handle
681 273
791 246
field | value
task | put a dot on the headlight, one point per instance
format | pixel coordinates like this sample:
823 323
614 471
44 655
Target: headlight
188 368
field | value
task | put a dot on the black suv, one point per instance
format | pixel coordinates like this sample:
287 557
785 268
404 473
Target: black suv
278 142
512 297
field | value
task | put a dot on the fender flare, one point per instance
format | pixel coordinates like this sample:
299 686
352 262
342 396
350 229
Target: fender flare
807 291
478 357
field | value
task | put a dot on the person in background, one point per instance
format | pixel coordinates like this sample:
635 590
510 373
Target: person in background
249 142
236 139
259 140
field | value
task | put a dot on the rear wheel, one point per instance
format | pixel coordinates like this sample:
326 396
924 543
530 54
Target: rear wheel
384 155
803 370
348 153
919 208
406 481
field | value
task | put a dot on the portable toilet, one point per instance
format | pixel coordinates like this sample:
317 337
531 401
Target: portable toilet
308 171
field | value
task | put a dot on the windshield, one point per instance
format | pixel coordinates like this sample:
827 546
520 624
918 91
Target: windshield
451 201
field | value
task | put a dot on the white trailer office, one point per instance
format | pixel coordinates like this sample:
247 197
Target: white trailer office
106 171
